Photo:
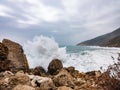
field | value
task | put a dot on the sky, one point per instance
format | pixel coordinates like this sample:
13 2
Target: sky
68 21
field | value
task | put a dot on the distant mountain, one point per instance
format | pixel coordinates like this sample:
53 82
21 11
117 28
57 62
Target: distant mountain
111 39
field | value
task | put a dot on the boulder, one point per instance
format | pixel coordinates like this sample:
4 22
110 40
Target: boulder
23 87
16 55
39 71
54 66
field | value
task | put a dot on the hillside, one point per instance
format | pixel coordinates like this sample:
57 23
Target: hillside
110 39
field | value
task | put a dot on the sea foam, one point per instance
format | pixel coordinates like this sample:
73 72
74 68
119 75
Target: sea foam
41 50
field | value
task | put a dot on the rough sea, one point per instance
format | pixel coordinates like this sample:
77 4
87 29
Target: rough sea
41 50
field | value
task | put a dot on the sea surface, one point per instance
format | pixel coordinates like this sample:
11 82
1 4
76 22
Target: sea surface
41 50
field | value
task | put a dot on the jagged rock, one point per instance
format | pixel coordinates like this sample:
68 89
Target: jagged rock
54 66
23 87
39 71
64 88
63 78
16 55
3 51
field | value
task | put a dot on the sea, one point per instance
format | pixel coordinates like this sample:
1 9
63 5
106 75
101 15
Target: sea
42 50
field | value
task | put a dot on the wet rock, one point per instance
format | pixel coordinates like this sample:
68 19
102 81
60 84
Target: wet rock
54 66
16 55
23 87
39 71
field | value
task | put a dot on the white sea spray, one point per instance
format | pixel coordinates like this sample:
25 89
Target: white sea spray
41 50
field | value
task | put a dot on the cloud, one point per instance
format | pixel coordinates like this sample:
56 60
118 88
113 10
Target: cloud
35 12
67 20
4 11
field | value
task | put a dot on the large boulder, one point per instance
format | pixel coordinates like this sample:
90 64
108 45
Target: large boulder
16 55
54 66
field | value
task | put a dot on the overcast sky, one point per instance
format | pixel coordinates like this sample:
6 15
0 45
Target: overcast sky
68 21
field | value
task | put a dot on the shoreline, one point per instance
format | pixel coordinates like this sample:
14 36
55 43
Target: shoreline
15 73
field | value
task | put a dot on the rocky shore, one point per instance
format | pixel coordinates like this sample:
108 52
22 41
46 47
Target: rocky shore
15 73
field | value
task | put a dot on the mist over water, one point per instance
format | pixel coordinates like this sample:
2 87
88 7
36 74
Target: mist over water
41 50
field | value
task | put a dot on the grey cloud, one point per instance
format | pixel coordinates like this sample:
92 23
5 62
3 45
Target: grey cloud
69 22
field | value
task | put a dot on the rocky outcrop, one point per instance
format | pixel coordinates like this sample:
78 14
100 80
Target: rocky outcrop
54 66
16 55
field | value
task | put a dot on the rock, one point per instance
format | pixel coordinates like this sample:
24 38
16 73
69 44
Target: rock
63 78
39 71
3 51
64 88
10 80
21 78
23 87
54 66
8 74
47 85
5 65
94 73
37 81
71 69
16 55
